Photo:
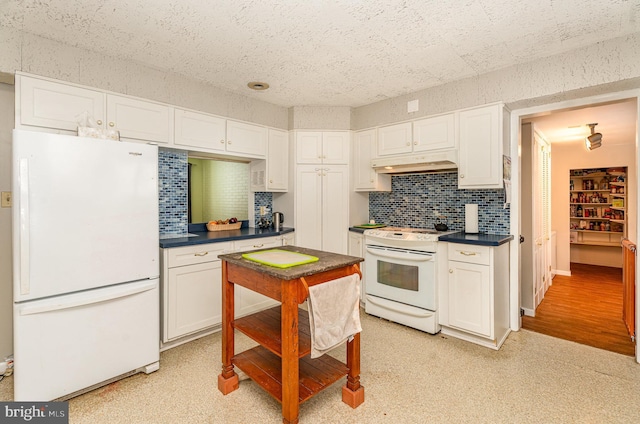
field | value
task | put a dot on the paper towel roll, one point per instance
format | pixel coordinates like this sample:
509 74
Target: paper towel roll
471 218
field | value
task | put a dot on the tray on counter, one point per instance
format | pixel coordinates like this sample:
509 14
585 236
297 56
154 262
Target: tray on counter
280 258
369 226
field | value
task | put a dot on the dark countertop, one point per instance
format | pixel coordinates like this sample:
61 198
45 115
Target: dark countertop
202 237
477 239
327 261
356 230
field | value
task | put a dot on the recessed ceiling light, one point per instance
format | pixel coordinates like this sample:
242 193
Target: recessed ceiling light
259 86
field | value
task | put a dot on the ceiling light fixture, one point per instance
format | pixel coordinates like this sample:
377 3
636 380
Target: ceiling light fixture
259 86
594 140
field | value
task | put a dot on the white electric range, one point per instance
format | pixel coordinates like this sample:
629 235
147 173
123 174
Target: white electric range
401 275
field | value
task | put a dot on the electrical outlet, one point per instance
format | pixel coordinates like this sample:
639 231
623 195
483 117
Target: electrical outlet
263 210
6 199
436 213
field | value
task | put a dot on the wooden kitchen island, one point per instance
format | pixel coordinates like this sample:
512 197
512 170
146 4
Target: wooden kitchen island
281 364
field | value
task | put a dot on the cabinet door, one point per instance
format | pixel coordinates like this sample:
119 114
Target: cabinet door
308 206
247 301
356 248
365 177
480 150
335 208
139 120
309 147
52 105
199 131
288 239
394 139
246 139
470 297
335 147
278 161
194 299
434 133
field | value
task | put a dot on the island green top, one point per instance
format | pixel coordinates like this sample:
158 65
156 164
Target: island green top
326 262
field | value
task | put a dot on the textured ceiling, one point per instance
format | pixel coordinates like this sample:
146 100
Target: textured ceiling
326 52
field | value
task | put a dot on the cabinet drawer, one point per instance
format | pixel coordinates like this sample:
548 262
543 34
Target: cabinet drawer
469 253
257 243
197 254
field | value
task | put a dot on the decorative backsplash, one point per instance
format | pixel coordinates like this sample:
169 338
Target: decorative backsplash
414 199
173 191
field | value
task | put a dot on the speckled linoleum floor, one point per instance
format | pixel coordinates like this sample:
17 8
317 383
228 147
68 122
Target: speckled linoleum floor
409 377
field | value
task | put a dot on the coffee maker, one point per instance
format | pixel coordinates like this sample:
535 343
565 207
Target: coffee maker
278 221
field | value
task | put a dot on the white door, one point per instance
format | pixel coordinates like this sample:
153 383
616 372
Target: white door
434 133
52 105
394 139
538 228
199 130
85 213
246 139
364 145
139 119
335 147
309 209
480 154
335 208
278 161
309 147
470 306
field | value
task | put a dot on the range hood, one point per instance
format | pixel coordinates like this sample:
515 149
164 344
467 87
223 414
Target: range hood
421 162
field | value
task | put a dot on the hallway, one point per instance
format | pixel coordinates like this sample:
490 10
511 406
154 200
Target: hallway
585 308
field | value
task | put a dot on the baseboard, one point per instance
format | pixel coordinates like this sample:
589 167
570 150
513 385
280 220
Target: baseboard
563 273
529 312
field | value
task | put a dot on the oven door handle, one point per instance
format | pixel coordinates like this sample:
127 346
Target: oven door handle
408 256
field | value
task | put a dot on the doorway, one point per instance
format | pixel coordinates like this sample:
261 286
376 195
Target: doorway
570 118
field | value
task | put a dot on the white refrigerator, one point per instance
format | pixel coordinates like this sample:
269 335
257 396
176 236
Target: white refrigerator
85 263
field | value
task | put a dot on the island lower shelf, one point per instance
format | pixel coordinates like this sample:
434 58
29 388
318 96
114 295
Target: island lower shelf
265 369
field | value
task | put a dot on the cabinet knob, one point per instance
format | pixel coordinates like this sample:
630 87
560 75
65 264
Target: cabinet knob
270 181
461 175
111 124
371 180
221 141
229 142
408 143
450 271
415 143
99 122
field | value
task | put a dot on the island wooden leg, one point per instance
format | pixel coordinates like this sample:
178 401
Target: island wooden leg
290 364
228 379
353 392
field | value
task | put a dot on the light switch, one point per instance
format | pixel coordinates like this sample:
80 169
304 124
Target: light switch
6 199
413 106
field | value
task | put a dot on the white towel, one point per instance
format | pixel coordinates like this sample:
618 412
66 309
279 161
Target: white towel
334 313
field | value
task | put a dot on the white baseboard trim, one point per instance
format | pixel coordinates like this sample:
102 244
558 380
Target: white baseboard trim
529 312
562 272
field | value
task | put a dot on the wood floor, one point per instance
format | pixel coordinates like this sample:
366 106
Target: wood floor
585 308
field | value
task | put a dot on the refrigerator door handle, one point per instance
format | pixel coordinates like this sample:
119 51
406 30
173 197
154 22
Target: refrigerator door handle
23 181
86 298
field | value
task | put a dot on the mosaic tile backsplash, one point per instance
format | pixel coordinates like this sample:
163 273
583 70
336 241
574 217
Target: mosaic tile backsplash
173 191
414 199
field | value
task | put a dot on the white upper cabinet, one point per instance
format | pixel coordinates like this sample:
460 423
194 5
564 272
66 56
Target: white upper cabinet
199 130
481 147
48 104
318 147
246 139
139 119
434 133
210 133
278 161
395 139
365 178
51 105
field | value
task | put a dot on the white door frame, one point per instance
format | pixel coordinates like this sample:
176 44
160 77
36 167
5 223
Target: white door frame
516 116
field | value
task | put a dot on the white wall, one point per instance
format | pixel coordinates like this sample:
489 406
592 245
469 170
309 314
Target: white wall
319 118
6 292
609 66
36 55
566 156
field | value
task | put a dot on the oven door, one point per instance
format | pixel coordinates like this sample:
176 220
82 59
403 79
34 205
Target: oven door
406 276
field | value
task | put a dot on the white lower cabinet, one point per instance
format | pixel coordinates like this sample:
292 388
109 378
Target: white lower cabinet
247 301
191 283
356 248
474 295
